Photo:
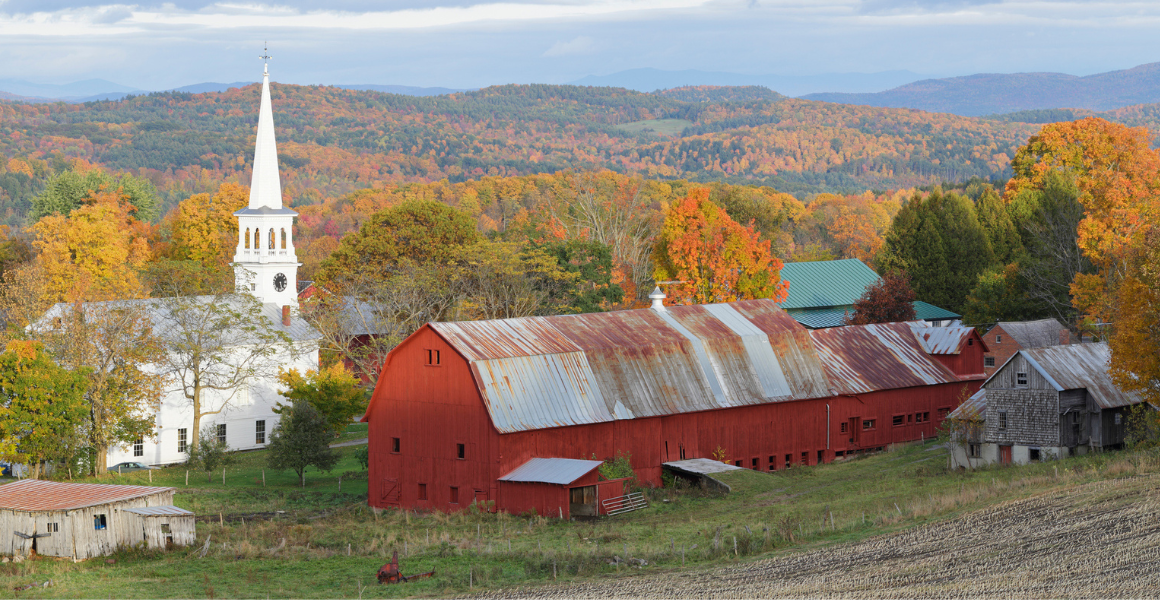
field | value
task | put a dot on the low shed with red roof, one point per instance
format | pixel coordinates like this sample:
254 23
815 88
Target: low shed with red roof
83 520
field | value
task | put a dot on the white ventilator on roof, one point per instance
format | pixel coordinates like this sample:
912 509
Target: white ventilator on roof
266 188
658 299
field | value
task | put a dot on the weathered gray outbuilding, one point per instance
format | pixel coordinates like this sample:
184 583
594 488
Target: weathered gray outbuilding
1046 403
83 520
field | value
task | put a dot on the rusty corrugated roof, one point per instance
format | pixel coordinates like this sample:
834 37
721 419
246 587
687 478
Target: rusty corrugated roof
974 408
37 495
877 357
1080 366
544 372
941 340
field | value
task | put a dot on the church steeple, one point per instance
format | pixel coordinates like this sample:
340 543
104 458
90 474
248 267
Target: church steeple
265 263
266 189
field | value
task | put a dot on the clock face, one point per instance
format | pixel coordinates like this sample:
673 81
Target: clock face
280 282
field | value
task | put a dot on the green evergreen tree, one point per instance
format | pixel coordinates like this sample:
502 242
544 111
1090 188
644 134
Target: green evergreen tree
938 241
1003 235
67 190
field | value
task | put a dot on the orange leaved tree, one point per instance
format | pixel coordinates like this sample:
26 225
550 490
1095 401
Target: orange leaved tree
714 258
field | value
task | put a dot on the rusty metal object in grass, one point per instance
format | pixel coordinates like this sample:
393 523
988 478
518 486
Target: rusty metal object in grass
389 573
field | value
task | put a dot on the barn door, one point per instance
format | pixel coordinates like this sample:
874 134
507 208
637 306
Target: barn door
389 491
855 431
1004 455
481 498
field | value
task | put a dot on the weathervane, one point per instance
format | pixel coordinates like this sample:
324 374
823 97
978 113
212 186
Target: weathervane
266 57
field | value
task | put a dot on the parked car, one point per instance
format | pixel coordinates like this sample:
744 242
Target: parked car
129 467
5 470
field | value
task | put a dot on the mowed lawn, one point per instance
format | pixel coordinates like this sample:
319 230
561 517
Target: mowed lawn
283 540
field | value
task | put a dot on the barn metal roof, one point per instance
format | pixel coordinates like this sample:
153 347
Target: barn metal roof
160 511
542 372
1033 334
826 283
877 357
560 471
37 495
942 340
1079 366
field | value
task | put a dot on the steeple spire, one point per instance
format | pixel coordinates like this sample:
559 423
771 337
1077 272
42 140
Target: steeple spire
266 189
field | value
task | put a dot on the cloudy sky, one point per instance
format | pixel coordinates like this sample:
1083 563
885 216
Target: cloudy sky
474 43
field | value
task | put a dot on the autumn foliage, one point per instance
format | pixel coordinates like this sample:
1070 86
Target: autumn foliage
889 300
713 258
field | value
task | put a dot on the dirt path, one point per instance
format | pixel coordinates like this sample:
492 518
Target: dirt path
1096 541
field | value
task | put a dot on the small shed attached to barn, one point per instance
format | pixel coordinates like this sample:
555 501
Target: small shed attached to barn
83 520
564 487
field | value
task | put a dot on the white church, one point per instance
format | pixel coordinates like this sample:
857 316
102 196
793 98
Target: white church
266 266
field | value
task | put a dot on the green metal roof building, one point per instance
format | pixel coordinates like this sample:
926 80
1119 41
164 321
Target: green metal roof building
822 292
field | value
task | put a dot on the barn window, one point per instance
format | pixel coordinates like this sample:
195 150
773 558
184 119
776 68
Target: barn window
974 450
221 433
926 417
139 446
788 460
899 420
868 424
182 440
455 495
395 445
99 522
260 431
737 463
988 361
52 528
1021 379
805 458
753 463
422 491
943 411
1002 419
1119 418
772 463
460 451
433 358
970 342
909 418
844 427
165 528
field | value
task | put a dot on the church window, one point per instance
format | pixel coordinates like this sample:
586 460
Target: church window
247 238
221 433
182 440
260 432
283 239
139 447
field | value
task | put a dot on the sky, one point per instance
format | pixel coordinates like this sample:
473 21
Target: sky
155 45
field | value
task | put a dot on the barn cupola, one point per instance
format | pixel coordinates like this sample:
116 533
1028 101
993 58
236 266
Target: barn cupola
658 299
265 263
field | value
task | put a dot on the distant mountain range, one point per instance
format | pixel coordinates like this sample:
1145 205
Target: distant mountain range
92 90
648 80
994 93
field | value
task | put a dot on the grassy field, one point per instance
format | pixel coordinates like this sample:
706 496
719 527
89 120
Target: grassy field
669 127
327 543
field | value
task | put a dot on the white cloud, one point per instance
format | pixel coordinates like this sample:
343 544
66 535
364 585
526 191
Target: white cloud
579 45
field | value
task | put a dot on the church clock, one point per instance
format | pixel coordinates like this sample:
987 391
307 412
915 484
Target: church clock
280 282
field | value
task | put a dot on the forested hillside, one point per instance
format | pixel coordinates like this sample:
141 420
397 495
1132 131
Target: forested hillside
333 141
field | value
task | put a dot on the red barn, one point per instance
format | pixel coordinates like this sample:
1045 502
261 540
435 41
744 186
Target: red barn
461 407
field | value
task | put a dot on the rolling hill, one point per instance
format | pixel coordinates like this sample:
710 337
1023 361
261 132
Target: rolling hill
334 141
993 93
